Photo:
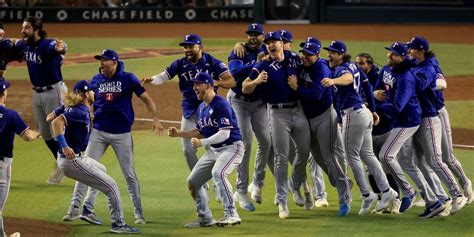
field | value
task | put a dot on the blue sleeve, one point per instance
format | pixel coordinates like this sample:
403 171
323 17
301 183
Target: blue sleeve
403 92
138 89
224 116
256 70
18 123
218 67
51 49
172 69
368 90
20 44
379 84
236 67
423 80
59 110
75 116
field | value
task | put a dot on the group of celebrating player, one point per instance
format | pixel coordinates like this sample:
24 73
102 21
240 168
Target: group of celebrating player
328 112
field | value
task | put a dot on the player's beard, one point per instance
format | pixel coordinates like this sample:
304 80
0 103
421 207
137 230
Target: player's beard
29 38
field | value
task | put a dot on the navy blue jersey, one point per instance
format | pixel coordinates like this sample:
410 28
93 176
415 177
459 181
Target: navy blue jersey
386 121
77 129
373 75
276 90
8 53
315 98
43 61
347 96
10 123
185 70
439 102
215 116
240 68
425 75
404 107
113 110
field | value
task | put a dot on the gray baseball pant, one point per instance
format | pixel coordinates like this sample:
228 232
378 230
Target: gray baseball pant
252 119
327 149
44 103
397 138
188 149
428 139
92 173
357 136
216 163
447 148
122 144
316 173
289 125
5 178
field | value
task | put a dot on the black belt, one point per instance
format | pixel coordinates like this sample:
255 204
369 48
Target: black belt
2 158
223 144
290 105
246 98
75 154
353 108
40 89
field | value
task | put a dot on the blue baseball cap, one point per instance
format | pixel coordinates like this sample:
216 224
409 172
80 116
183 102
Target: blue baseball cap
337 46
311 40
256 28
286 36
311 48
191 39
82 86
108 54
419 43
203 77
398 48
272 35
4 84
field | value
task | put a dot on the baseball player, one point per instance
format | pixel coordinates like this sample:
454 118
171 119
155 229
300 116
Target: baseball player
216 129
8 53
428 136
287 120
357 123
71 124
317 105
381 131
251 115
44 58
404 109
113 119
10 123
186 68
446 138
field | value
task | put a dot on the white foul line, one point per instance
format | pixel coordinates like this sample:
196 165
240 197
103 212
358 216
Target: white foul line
178 122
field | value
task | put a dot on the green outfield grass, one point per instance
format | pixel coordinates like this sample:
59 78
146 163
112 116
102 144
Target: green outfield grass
167 204
460 113
453 64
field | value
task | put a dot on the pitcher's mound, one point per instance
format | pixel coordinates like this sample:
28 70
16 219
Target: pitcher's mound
32 228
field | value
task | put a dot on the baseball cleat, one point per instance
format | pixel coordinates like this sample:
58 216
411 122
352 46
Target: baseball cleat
396 206
72 214
255 193
468 191
308 201
344 209
299 201
407 202
321 202
283 211
16 234
458 203
140 221
367 203
89 216
433 210
229 220
201 222
387 198
124 229
56 176
420 203
244 201
447 210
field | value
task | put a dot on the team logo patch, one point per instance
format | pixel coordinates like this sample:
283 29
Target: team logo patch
222 65
109 97
225 121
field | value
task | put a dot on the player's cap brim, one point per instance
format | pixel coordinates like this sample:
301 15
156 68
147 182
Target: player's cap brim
308 51
332 49
100 57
